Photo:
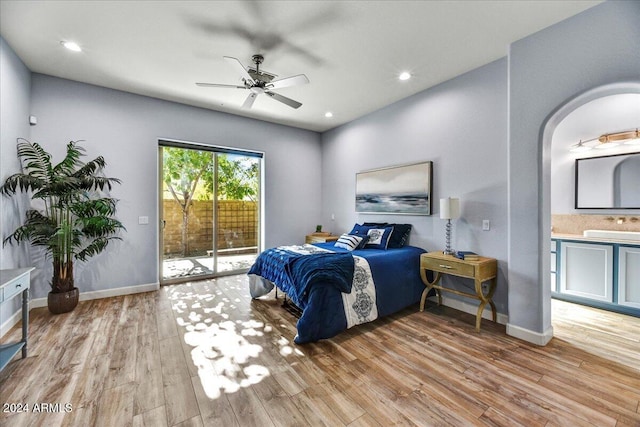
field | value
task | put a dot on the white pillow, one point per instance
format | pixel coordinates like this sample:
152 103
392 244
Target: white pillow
348 241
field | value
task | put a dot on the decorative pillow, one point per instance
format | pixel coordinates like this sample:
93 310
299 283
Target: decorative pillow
361 230
400 232
348 241
365 240
379 237
400 235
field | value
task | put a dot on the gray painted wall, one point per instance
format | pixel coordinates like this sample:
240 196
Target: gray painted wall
15 93
15 87
125 129
460 125
546 70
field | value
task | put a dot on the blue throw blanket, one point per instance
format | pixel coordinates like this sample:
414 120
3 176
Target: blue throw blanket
321 269
295 272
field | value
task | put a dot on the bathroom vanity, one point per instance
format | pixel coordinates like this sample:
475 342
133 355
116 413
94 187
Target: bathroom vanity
601 271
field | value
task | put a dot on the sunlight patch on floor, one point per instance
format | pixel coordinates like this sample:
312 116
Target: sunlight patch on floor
223 350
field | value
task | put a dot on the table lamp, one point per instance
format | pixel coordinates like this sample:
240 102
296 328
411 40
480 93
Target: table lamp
449 209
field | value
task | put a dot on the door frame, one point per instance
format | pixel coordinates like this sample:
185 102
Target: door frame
216 149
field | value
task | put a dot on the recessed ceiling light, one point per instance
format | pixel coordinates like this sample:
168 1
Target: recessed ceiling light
71 46
328 114
405 75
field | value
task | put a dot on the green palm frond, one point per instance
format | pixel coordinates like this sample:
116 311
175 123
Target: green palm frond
88 175
36 161
86 208
71 162
91 168
37 171
97 183
62 187
37 229
95 247
22 182
98 226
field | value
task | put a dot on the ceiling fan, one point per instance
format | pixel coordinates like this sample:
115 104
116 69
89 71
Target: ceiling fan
259 82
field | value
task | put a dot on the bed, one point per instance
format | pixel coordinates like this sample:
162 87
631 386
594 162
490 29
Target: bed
337 288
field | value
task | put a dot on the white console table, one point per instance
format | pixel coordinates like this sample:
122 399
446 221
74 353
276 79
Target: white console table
12 283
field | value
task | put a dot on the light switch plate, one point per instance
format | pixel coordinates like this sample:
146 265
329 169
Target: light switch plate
143 220
486 225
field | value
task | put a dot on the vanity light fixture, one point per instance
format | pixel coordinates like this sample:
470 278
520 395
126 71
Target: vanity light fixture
608 140
612 139
635 138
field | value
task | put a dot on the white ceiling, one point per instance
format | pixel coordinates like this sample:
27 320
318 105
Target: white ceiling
351 51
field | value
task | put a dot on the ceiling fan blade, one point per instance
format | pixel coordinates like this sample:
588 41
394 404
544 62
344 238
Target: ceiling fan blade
249 101
290 102
240 69
218 85
300 79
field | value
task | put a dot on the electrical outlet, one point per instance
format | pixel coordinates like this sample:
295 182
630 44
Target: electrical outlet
486 225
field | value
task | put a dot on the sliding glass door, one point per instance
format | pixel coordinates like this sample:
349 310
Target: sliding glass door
210 211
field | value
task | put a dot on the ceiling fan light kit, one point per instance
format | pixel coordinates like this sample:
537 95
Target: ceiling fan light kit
260 82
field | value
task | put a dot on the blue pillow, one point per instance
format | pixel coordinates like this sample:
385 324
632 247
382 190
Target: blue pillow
361 230
400 235
379 238
363 243
400 232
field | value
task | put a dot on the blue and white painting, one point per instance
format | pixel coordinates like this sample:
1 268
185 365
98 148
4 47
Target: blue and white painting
395 190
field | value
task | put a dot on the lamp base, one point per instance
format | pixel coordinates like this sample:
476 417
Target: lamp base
448 250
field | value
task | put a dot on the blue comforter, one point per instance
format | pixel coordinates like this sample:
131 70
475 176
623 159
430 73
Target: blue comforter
315 283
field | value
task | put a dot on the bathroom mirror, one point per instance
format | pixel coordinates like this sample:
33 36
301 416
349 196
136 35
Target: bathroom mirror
608 182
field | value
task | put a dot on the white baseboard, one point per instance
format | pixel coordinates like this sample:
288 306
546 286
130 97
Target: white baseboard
8 324
84 296
472 308
528 335
533 337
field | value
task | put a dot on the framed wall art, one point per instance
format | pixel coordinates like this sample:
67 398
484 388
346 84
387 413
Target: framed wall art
402 189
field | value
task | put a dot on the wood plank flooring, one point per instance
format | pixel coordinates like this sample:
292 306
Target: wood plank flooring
205 354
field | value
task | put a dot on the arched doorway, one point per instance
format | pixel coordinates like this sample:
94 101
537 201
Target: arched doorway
549 128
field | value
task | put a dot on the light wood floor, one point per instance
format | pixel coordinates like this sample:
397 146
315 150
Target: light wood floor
206 354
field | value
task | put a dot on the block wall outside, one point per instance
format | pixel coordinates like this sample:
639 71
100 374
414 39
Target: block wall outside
237 226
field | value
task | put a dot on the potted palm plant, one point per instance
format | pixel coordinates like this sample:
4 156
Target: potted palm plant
74 219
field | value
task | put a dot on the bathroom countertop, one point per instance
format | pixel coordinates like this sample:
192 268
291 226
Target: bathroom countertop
592 239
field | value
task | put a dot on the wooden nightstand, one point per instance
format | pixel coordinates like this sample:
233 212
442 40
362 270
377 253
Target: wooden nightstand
320 238
482 270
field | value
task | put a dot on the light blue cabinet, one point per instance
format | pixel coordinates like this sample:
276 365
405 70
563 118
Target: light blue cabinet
15 282
629 276
554 262
586 270
597 273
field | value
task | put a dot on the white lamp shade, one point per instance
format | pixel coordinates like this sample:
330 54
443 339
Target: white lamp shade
449 208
